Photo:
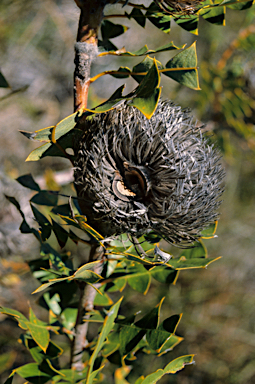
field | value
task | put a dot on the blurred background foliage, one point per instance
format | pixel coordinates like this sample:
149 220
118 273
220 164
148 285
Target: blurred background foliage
36 46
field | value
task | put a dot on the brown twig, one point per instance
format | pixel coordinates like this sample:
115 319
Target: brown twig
86 48
86 305
85 51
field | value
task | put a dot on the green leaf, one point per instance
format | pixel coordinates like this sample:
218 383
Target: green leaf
189 23
209 232
197 251
145 50
215 15
129 337
70 376
21 319
43 222
110 30
178 364
45 198
28 182
173 367
148 92
50 149
124 72
185 63
33 373
106 329
158 18
138 16
184 263
239 5
3 81
60 233
144 66
139 279
85 272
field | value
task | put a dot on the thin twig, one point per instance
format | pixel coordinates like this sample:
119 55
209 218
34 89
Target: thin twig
86 305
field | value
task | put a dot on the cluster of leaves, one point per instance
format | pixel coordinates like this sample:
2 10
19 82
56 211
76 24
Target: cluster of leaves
120 338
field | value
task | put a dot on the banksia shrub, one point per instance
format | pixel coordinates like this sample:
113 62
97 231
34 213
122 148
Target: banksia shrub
135 175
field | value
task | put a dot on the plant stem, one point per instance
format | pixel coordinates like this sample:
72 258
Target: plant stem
86 305
86 48
85 51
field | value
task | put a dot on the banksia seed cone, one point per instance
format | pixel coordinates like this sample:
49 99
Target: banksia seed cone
134 175
183 7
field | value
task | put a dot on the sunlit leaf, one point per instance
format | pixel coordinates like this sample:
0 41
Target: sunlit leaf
185 63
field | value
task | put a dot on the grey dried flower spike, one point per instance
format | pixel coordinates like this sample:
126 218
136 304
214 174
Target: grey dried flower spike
134 175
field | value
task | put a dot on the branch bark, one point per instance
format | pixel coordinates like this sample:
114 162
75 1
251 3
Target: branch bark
86 305
85 51
86 47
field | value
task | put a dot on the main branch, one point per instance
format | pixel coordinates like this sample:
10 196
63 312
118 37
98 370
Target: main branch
85 51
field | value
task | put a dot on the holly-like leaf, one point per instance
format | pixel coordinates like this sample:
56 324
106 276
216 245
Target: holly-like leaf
143 51
106 329
215 15
157 17
189 23
183 67
138 16
110 30
148 92
172 367
45 198
3 81
28 182
144 67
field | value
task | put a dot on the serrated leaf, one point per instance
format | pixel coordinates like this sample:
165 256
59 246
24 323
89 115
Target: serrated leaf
178 364
161 20
123 73
215 15
189 23
45 198
70 376
239 5
173 367
85 272
60 233
50 149
3 81
33 373
185 63
139 278
138 16
197 251
148 92
209 232
144 50
106 329
144 67
19 317
110 30
28 182
184 263
40 335
81 220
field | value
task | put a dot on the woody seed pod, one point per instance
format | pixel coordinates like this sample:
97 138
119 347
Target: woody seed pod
134 175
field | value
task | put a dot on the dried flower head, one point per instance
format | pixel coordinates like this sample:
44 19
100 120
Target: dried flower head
134 175
183 7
